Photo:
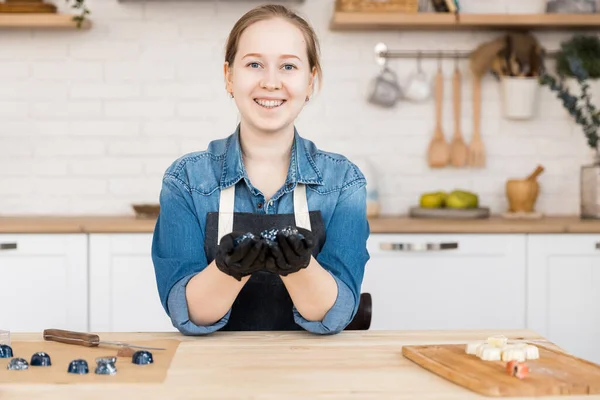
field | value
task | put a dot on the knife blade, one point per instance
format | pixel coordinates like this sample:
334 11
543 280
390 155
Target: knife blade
86 339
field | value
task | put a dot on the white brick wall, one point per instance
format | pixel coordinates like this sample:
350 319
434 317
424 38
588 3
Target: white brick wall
89 120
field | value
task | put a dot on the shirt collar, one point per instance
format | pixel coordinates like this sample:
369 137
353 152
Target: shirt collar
302 165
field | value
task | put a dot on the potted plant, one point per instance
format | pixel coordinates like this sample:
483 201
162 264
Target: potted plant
585 114
587 49
82 8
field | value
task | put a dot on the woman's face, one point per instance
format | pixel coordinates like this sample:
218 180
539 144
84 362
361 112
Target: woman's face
270 77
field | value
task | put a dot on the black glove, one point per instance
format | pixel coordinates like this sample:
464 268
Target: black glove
290 249
241 254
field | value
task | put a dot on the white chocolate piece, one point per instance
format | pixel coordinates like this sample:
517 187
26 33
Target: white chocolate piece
480 349
498 341
518 345
472 347
532 352
489 353
513 353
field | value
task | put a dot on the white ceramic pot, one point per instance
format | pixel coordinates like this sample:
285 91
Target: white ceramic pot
519 97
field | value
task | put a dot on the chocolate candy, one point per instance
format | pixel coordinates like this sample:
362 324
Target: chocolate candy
290 230
78 367
40 359
17 364
106 366
142 357
270 235
5 351
243 237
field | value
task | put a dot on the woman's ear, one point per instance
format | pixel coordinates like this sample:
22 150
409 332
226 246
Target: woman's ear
228 77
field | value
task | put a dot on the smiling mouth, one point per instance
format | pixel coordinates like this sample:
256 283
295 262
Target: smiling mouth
269 103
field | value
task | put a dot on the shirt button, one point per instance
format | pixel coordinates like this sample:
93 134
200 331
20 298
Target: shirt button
259 205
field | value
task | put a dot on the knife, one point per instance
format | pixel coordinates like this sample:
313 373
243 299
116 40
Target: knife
85 339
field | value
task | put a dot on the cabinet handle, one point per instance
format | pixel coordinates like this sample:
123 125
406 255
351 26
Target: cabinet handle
418 247
8 246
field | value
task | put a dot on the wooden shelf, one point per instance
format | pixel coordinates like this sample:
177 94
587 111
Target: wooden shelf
349 21
28 20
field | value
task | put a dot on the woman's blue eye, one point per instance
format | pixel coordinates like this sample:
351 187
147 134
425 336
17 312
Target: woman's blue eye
253 64
289 65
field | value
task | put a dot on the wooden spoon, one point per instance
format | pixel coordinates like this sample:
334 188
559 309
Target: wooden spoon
476 150
458 148
439 150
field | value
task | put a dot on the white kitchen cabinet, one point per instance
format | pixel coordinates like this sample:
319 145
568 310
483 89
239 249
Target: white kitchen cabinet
447 281
563 286
123 292
44 282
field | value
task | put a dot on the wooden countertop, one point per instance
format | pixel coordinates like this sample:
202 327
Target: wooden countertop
400 224
283 365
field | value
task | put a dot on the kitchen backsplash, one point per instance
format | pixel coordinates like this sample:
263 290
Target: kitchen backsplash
89 120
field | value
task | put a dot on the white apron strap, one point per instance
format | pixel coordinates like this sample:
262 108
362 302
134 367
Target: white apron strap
226 204
301 211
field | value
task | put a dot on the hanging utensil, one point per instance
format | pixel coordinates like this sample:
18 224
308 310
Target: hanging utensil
85 339
384 90
476 152
458 148
439 150
418 87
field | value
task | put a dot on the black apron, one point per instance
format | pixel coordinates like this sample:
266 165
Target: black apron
264 303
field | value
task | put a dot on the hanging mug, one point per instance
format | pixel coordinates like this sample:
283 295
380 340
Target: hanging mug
384 89
418 86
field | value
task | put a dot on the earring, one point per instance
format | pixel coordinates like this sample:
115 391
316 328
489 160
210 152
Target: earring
307 98
231 94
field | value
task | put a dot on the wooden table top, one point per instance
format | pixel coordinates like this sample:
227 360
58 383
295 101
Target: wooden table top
283 365
392 224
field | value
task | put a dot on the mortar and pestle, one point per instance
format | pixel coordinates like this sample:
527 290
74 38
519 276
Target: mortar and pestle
522 193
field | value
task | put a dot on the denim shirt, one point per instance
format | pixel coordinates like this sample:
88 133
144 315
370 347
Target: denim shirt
191 188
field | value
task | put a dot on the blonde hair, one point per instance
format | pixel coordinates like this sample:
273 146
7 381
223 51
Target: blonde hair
269 11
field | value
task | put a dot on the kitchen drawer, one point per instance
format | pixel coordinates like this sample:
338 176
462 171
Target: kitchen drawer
447 281
448 245
25 244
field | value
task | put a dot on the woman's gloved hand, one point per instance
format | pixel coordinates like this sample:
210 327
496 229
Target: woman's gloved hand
241 254
290 249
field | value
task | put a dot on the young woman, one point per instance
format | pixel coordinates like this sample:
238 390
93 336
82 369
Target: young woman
263 230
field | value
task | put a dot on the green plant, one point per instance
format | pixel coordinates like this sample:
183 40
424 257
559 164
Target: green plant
586 115
79 5
586 48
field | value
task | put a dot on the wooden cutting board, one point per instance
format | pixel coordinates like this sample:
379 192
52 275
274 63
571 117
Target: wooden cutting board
553 373
467 213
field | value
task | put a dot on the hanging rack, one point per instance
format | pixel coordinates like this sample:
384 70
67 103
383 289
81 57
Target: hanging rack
382 53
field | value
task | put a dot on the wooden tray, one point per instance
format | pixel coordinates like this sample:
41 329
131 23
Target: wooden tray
554 373
470 213
62 354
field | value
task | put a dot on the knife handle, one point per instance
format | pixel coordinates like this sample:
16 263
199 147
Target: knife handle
71 337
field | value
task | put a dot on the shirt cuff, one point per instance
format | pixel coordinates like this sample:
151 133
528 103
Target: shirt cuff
337 318
179 313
